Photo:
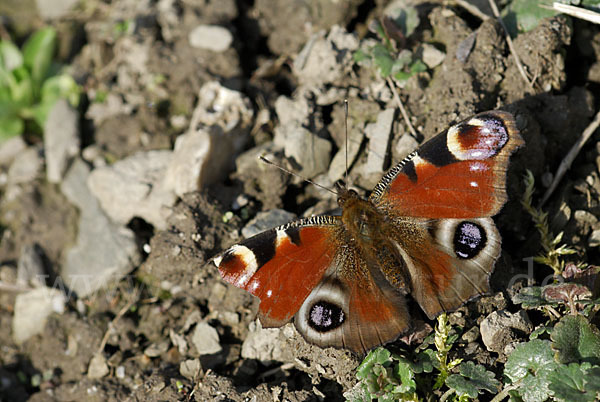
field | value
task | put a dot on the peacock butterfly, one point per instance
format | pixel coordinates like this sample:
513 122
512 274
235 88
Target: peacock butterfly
425 231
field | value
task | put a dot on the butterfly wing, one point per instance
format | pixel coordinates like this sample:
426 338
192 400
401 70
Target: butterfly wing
307 269
441 198
460 173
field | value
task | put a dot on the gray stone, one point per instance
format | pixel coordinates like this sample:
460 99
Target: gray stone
190 169
103 251
291 111
267 220
337 167
206 339
30 267
210 37
98 367
266 344
156 349
219 129
32 310
135 187
25 166
431 55
308 152
190 369
61 139
53 9
496 328
112 106
10 148
325 59
405 145
379 134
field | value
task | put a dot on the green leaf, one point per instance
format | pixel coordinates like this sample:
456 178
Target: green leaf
21 90
575 383
360 55
61 86
524 15
407 19
376 356
418 67
10 56
482 378
404 372
575 340
462 386
531 363
383 60
38 52
425 362
10 126
531 297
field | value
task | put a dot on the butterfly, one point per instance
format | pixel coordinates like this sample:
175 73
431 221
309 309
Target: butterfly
425 232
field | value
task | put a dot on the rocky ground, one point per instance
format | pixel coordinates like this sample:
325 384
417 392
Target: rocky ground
107 224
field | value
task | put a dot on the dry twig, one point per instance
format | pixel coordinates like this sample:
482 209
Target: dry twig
511 46
577 12
401 106
565 164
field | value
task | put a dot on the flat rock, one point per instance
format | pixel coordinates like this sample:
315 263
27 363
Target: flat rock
219 129
135 187
405 145
325 59
32 310
30 267
61 139
431 55
52 9
10 148
210 37
25 166
267 344
195 161
379 134
103 251
206 339
497 328
267 220
337 168
309 153
98 367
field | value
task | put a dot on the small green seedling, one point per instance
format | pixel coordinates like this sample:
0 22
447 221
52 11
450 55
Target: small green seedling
30 84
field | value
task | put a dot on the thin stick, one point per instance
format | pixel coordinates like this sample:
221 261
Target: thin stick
577 12
472 9
509 41
268 162
565 164
121 313
401 106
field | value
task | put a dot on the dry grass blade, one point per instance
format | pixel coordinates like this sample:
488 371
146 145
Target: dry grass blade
578 12
511 46
565 164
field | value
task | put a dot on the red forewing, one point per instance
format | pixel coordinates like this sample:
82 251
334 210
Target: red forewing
282 266
460 173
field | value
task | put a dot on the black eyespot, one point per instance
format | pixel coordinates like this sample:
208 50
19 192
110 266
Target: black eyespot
325 316
469 239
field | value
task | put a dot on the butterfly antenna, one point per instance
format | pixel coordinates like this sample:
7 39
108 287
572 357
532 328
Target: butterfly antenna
346 140
268 162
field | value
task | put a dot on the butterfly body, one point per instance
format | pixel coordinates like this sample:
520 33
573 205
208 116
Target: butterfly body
425 232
